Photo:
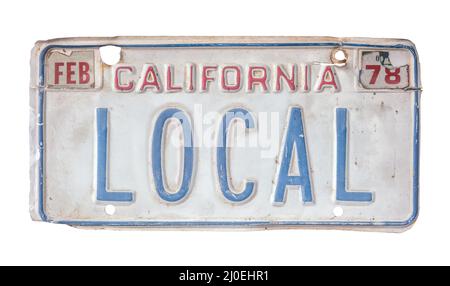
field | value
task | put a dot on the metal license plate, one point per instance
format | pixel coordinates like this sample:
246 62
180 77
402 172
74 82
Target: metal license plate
225 132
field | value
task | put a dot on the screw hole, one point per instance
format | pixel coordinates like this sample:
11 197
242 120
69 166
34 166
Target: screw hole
110 55
110 210
339 57
338 211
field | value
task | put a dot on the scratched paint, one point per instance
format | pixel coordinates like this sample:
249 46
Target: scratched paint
202 185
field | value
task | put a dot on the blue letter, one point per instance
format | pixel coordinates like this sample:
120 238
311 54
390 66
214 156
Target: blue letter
188 160
222 155
294 135
102 156
341 165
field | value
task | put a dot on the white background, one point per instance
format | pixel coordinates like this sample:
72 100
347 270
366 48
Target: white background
25 242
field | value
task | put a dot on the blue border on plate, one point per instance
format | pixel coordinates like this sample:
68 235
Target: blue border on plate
416 143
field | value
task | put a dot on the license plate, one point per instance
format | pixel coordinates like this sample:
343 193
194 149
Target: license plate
225 132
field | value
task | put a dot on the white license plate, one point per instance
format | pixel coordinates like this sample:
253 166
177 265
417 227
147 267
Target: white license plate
225 132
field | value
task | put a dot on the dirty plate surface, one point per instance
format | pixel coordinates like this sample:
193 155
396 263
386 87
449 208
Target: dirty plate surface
225 132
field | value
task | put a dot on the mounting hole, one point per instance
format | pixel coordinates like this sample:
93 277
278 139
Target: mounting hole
338 211
110 55
339 57
110 210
